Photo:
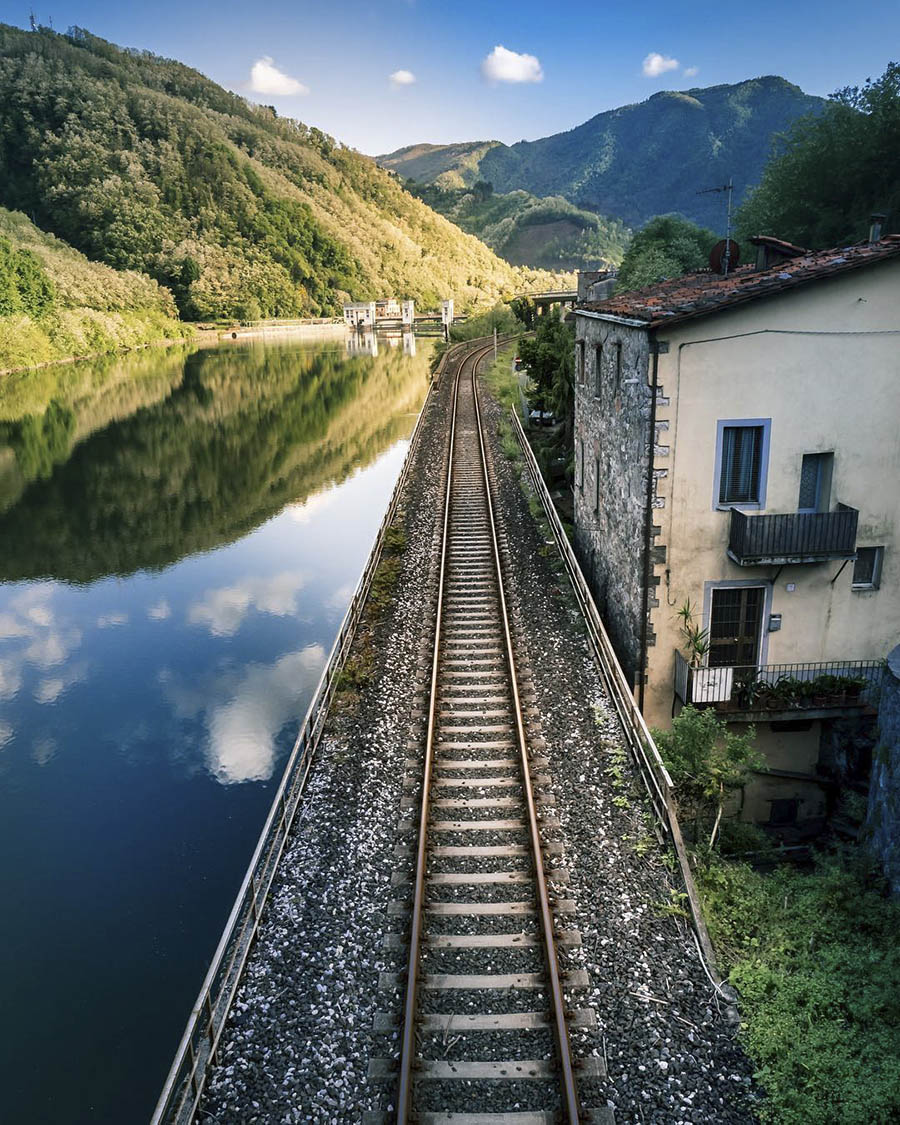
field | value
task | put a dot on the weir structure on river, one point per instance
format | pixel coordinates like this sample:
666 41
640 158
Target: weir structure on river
481 737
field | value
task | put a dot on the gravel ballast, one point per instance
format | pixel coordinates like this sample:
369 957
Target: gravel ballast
300 1039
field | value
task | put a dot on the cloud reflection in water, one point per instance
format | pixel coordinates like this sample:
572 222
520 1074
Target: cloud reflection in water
243 714
222 611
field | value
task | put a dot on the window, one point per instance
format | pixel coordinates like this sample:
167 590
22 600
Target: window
579 468
784 811
598 370
618 364
742 455
579 361
867 568
734 625
596 484
815 482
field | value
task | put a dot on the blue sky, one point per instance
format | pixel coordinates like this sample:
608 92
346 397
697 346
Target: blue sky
559 65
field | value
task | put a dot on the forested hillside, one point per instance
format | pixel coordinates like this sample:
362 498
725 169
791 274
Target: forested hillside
54 303
548 233
142 163
639 160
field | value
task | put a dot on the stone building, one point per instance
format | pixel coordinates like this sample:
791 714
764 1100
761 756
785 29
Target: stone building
737 450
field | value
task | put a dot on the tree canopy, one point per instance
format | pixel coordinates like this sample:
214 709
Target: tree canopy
832 171
667 246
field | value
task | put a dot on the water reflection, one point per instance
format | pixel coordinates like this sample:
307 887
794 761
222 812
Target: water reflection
214 443
222 611
243 712
180 533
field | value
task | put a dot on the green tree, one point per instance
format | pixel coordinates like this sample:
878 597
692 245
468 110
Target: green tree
550 358
707 763
668 246
830 172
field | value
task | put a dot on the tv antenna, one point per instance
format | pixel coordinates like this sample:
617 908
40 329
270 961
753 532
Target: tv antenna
729 191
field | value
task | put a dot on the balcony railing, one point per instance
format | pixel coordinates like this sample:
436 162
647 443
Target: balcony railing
778 688
798 537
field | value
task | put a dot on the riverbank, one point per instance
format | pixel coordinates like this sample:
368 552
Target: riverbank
301 1035
57 306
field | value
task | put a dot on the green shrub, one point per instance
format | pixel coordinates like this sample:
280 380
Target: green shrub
816 960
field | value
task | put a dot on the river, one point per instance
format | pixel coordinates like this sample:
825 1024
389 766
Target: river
180 534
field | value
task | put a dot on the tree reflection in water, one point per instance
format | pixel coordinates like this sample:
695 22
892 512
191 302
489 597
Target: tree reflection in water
133 464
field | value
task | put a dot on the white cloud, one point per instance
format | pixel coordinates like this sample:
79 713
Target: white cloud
10 627
51 688
6 733
242 731
160 611
402 78
266 78
10 679
109 620
691 71
304 513
502 65
656 64
244 711
52 649
222 611
43 749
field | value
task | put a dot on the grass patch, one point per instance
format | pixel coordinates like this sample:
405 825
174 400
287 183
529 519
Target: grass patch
500 378
816 960
361 664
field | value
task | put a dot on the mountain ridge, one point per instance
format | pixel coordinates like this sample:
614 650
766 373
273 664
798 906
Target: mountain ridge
637 160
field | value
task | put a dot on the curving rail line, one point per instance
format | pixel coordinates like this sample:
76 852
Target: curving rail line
477 742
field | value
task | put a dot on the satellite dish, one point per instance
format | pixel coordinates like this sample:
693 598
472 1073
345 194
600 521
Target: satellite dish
717 255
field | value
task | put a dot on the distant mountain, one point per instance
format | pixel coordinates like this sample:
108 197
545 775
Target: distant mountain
547 233
142 163
450 166
636 161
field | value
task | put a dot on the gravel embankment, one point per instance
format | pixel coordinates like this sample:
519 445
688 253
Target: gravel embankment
669 1046
300 1039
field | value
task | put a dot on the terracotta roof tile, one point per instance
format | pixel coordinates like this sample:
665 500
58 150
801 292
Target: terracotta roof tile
703 293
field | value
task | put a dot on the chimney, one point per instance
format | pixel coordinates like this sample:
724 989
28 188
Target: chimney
875 228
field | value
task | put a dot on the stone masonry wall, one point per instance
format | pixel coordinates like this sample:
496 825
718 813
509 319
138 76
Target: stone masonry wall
883 821
612 436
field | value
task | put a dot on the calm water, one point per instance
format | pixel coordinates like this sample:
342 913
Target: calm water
180 534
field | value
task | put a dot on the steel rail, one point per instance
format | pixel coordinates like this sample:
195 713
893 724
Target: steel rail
405 1113
408 1040
558 1010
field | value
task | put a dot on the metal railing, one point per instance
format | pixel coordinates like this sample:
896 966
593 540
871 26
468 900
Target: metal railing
197 1050
809 685
793 537
640 742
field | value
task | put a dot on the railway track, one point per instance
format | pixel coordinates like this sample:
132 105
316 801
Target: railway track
484 1031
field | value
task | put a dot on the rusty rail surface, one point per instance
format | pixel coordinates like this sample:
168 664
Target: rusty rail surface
196 1054
640 742
405 1111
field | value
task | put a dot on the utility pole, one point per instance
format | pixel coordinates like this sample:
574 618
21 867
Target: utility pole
495 341
729 191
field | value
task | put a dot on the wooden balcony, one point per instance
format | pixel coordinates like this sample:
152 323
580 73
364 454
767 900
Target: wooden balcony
780 692
798 537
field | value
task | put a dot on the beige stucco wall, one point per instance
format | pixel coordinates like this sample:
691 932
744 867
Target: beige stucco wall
819 362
